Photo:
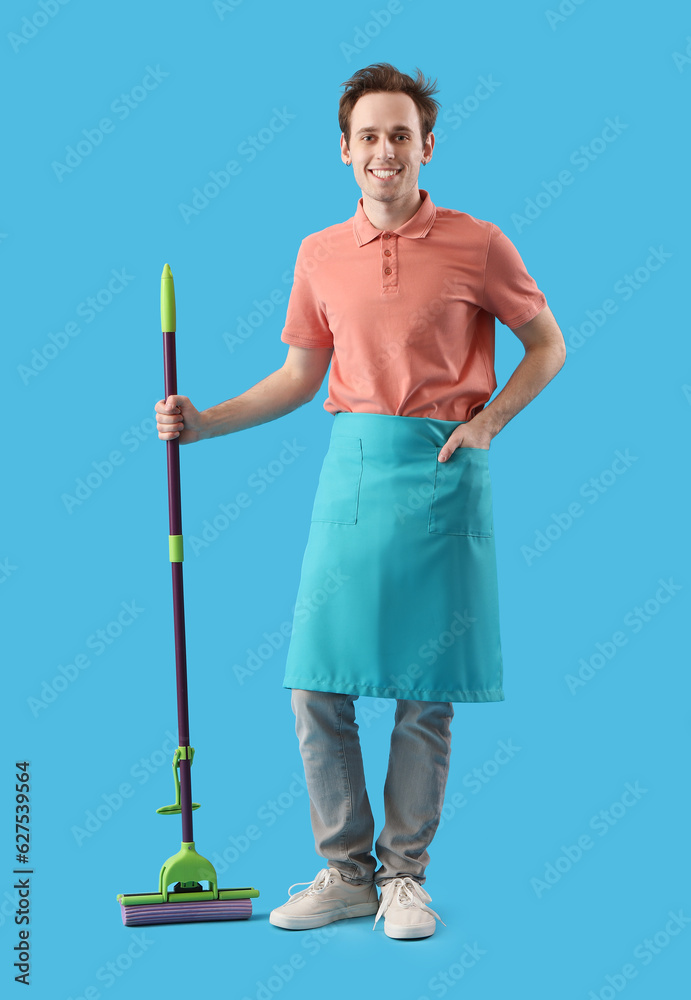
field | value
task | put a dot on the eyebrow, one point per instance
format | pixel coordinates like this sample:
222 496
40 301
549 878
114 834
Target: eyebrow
373 128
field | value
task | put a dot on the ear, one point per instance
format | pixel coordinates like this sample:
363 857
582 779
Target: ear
345 152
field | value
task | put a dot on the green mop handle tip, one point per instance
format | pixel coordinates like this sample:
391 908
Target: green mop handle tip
167 300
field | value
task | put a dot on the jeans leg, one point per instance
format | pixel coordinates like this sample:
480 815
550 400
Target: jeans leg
414 789
342 820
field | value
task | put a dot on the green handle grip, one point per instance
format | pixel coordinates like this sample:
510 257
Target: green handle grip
167 301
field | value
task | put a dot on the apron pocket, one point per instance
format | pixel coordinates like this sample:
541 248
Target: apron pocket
338 491
461 502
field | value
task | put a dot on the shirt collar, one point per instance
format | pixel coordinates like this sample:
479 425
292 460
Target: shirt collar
418 226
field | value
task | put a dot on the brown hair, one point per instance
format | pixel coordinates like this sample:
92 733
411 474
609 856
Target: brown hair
384 77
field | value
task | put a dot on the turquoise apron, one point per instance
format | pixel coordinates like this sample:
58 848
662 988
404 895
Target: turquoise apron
398 587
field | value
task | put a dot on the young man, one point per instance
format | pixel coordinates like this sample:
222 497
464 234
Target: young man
401 300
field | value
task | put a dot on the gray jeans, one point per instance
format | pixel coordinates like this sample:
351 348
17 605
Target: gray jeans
342 820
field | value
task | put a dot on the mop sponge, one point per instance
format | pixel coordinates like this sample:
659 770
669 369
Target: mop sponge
187 901
135 914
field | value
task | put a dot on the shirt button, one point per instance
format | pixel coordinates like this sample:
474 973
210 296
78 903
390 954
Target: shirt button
387 270
387 236
387 253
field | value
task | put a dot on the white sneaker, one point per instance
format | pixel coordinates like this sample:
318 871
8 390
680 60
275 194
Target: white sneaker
404 907
328 898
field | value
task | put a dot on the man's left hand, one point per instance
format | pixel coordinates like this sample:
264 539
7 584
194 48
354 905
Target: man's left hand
465 436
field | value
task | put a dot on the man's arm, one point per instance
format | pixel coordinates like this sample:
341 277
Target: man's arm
296 383
545 353
291 386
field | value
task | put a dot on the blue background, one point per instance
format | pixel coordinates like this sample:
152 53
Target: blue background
69 567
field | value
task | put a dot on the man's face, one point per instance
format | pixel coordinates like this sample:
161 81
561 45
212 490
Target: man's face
385 135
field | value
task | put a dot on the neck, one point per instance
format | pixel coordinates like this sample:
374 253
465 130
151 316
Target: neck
391 215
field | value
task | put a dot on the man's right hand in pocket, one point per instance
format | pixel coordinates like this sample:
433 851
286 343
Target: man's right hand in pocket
176 417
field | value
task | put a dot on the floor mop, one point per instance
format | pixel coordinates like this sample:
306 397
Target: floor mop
187 901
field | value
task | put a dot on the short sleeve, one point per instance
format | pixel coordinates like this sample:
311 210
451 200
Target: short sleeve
306 324
509 293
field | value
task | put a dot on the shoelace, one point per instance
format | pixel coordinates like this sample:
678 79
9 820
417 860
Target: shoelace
316 885
407 892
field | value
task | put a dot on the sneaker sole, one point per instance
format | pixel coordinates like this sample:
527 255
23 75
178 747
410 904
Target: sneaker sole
402 932
319 919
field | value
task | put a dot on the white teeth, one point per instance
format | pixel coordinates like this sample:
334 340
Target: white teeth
384 173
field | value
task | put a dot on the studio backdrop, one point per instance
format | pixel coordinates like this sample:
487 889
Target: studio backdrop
205 136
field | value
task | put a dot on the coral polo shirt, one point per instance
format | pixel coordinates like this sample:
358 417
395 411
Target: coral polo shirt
409 312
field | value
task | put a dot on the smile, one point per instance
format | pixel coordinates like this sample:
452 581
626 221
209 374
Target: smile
385 175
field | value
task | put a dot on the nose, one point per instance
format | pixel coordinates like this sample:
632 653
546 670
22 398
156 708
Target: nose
385 150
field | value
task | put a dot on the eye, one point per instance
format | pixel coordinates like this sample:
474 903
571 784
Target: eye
401 136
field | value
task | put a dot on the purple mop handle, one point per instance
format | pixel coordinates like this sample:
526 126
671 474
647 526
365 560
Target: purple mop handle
175 521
